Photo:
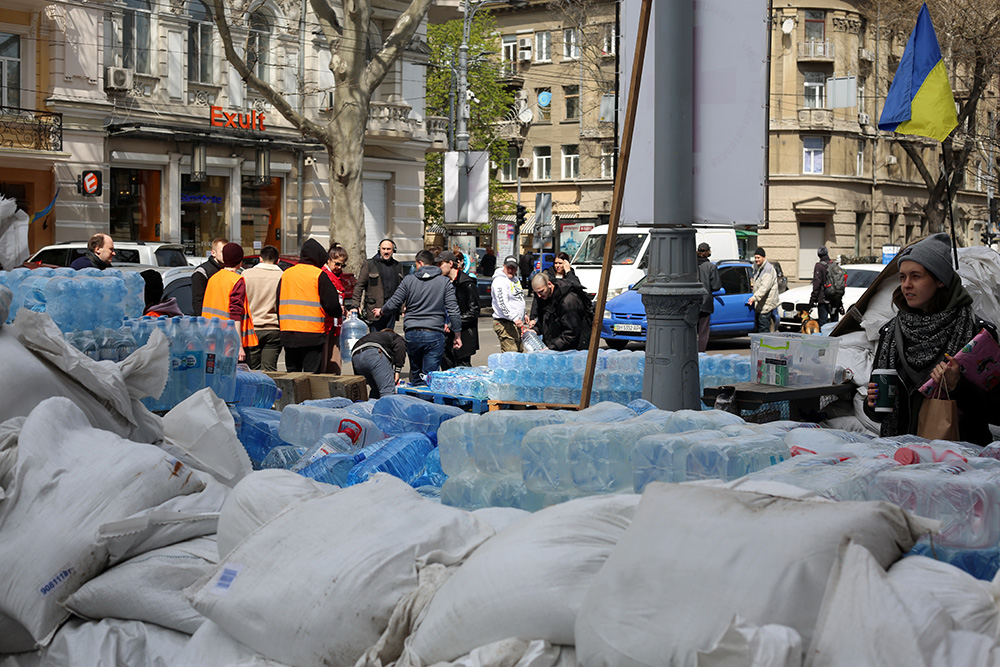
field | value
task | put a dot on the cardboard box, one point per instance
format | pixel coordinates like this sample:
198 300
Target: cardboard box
298 387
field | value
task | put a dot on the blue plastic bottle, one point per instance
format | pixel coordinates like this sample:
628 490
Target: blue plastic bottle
352 330
332 469
194 356
213 352
226 384
402 456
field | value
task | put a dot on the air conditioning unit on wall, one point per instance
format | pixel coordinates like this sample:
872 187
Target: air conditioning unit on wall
864 119
523 162
524 48
118 78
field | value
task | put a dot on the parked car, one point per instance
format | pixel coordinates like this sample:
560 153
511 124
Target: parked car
859 277
624 318
126 252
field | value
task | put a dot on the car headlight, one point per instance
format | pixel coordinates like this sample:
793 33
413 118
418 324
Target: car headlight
612 293
607 314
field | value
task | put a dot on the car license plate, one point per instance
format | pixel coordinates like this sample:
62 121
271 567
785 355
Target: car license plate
628 328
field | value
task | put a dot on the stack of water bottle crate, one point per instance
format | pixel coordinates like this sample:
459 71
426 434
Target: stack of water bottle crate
557 377
76 300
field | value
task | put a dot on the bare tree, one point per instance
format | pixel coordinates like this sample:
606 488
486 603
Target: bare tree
358 70
968 34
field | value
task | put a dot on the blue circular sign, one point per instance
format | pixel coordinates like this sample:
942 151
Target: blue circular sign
544 99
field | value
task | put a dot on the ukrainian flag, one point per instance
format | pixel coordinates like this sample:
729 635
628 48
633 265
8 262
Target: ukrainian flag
920 100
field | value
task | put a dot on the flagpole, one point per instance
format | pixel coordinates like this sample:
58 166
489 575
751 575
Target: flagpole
951 211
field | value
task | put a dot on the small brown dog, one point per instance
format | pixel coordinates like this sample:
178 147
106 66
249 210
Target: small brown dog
809 325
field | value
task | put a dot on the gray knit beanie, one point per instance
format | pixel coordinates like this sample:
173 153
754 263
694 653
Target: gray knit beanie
934 254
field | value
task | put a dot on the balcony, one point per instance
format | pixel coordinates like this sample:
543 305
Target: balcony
816 119
390 119
816 50
30 130
436 128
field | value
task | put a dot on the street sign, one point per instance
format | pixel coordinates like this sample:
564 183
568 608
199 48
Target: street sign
89 184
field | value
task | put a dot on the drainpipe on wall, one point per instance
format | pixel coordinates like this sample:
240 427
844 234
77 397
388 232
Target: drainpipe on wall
302 109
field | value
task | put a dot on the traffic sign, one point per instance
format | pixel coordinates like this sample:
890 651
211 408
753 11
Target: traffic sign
89 184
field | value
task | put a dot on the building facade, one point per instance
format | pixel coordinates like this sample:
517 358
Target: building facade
834 179
188 152
560 58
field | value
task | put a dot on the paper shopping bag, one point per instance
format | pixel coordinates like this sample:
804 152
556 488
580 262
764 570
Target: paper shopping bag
938 417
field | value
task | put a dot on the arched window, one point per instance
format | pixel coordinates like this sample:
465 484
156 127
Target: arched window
200 30
135 35
259 44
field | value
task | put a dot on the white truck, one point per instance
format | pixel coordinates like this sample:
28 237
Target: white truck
631 254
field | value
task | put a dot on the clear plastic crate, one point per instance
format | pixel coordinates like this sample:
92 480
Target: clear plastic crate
792 359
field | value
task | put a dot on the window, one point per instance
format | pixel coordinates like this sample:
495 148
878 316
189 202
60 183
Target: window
815 25
543 46
607 161
508 55
544 98
10 70
259 44
543 163
571 44
508 168
199 43
861 158
815 83
571 161
572 96
812 155
734 279
609 40
127 37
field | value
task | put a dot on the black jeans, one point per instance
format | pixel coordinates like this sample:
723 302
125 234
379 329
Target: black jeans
304 359
828 312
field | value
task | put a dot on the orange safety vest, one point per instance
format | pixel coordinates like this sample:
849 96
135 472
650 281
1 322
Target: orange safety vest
216 304
298 302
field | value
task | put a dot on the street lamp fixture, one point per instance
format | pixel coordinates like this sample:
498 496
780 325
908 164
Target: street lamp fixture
262 167
199 162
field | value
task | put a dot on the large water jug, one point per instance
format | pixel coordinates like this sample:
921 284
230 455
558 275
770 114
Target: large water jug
432 474
398 414
835 476
496 444
532 342
600 457
470 490
259 432
402 456
332 469
328 443
351 331
303 424
545 457
282 456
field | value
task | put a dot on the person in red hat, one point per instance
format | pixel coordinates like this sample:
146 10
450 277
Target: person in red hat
226 297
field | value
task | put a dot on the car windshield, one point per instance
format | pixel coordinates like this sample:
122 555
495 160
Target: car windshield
627 247
860 277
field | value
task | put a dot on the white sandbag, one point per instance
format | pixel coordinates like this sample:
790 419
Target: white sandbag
500 518
150 587
110 642
10 430
967 648
747 645
259 497
39 364
317 584
69 480
979 268
696 555
211 646
529 581
514 652
970 602
177 520
201 432
856 352
13 637
864 622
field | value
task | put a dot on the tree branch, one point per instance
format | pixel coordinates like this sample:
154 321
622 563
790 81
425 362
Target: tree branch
278 100
328 21
402 32
918 162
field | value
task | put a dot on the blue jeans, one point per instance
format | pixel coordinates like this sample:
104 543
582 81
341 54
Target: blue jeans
425 349
377 371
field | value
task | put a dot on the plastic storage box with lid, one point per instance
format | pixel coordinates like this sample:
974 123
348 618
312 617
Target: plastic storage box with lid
791 360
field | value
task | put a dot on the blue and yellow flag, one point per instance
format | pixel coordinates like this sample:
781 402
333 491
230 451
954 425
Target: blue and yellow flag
920 100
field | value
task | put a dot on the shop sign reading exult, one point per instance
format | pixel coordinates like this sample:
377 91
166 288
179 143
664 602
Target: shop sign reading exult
246 121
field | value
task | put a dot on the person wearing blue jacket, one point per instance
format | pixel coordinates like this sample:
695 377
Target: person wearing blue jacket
429 299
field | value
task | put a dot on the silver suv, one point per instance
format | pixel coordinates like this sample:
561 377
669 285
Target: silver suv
126 252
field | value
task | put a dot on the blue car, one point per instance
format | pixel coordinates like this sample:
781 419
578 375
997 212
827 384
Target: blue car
625 316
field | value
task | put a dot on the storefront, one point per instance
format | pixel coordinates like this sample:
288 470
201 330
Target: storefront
135 204
204 213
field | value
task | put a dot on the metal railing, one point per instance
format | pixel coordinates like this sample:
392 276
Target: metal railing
30 129
816 48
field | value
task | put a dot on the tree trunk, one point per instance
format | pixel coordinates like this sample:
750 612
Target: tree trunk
347 155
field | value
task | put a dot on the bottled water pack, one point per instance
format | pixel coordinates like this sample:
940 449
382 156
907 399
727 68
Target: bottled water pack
398 414
557 377
77 300
304 424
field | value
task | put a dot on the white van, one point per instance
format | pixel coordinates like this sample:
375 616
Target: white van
631 258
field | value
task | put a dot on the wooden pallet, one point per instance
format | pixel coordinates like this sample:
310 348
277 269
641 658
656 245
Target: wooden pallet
522 405
475 405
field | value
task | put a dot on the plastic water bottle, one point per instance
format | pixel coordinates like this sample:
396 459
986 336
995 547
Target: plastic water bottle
213 336
194 357
331 469
225 362
282 456
351 331
402 456
600 456
496 445
432 474
334 403
135 286
397 414
328 443
301 425
259 432
455 444
545 457
532 342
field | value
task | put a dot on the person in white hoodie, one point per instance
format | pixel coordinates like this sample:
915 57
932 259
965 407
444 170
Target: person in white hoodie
508 305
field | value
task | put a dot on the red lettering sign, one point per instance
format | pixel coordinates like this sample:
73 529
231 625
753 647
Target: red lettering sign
247 121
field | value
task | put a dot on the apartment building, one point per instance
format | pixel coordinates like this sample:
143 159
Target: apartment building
141 91
560 58
834 179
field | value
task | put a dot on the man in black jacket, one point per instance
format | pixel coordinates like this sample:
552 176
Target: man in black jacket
383 274
565 316
201 275
467 295
708 273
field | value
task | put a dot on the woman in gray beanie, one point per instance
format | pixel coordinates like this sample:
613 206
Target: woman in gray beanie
934 319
